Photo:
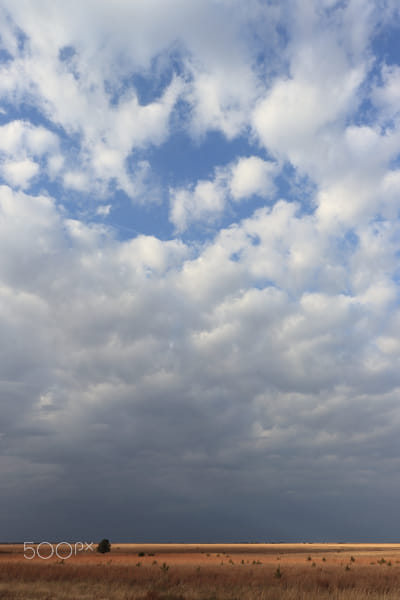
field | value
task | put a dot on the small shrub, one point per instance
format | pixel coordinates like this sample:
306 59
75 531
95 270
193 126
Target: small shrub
278 573
104 546
352 559
164 568
141 554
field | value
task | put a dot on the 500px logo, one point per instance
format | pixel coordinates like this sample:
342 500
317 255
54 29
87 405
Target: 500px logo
62 550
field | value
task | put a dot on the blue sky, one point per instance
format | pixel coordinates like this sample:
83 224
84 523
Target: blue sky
199 281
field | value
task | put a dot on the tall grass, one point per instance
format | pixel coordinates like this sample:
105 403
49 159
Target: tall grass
38 580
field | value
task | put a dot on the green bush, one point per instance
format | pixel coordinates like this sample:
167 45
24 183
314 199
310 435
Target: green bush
104 546
278 573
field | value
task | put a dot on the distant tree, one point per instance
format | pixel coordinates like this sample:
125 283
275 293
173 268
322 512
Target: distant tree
104 546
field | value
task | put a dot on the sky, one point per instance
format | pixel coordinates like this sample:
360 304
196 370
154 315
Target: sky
199 270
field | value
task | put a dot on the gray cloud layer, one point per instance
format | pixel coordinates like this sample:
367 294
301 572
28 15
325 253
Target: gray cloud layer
242 388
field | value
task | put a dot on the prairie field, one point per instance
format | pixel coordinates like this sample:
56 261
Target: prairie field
205 572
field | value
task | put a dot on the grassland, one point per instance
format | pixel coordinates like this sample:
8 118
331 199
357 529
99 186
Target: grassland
207 572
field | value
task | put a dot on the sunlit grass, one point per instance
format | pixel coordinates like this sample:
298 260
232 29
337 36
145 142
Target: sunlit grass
343 576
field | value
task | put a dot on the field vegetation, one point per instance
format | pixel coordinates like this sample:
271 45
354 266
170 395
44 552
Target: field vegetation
209 572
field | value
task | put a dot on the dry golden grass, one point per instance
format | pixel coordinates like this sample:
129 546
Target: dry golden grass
207 572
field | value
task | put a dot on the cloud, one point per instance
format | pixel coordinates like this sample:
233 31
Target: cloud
296 112
22 148
76 180
207 200
19 173
386 96
103 210
132 336
72 95
21 137
151 371
252 176
82 80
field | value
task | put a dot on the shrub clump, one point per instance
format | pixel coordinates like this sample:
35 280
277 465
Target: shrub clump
104 546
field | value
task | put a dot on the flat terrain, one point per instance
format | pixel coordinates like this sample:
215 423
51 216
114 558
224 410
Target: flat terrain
204 571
